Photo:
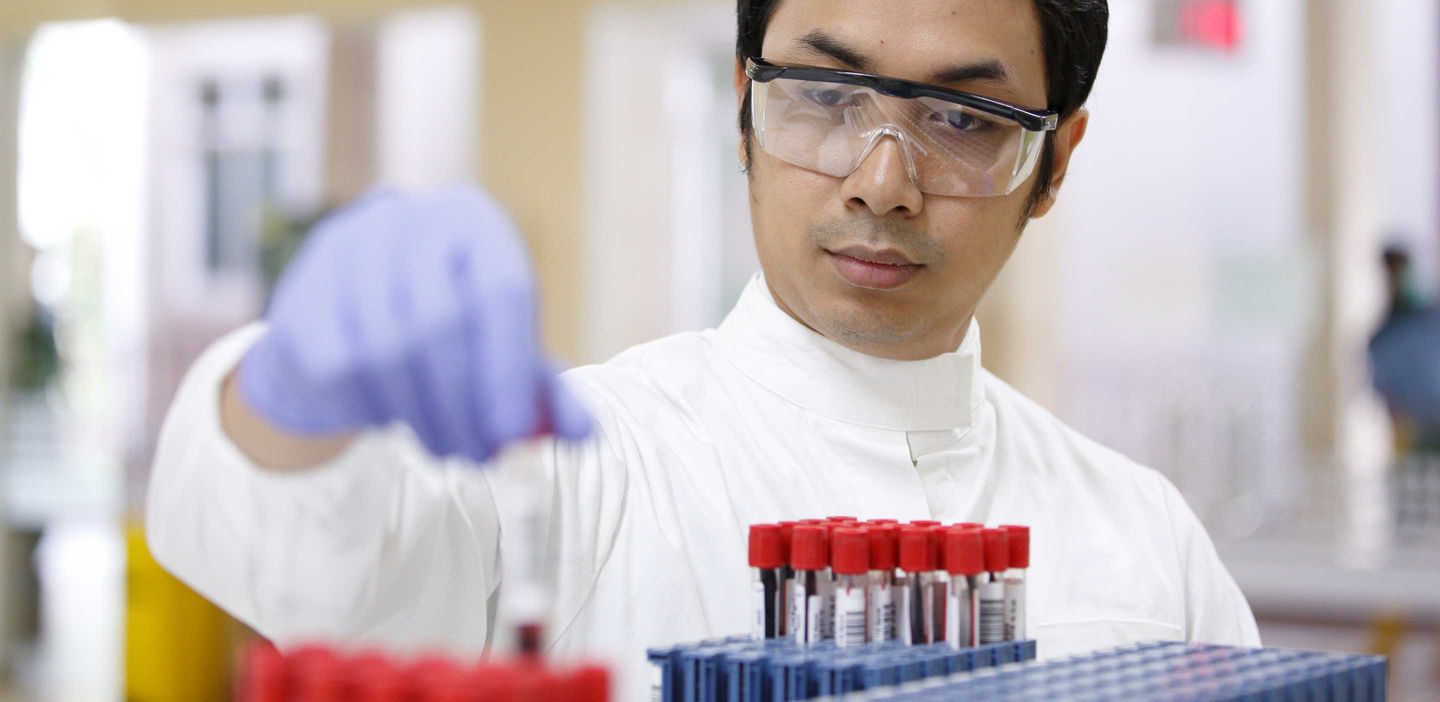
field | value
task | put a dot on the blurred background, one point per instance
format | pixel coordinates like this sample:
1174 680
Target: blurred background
1236 264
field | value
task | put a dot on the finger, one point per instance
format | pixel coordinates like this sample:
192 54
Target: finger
440 365
492 272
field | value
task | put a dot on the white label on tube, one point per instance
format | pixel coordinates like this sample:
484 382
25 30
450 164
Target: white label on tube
657 684
1014 609
814 618
902 614
959 620
849 616
992 612
757 605
795 613
880 619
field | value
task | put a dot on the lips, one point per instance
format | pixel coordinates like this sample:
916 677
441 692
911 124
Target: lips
885 269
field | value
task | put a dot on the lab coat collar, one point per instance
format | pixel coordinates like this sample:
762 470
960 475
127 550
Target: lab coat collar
820 375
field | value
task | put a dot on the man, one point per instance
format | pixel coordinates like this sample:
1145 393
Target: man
328 488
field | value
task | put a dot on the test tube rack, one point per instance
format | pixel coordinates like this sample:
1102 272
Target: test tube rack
1170 671
741 669
324 674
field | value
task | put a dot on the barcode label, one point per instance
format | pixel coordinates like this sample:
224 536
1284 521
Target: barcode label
657 684
814 619
757 605
992 613
849 616
880 621
1014 609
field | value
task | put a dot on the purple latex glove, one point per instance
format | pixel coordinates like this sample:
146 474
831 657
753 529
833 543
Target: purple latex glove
411 308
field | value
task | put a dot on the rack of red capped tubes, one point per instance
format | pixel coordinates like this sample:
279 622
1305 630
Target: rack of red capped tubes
323 674
857 582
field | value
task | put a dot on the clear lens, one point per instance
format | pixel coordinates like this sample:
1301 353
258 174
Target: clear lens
949 149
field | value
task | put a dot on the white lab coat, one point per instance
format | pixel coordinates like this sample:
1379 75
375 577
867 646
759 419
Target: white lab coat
698 436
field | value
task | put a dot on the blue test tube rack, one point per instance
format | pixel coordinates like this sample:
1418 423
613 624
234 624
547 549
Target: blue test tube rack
739 669
1169 671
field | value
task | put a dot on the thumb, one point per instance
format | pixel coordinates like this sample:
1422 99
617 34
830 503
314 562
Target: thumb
563 415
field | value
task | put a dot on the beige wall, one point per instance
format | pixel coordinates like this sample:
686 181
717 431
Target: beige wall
530 149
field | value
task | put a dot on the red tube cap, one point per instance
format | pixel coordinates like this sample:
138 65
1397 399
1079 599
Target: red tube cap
787 530
809 549
590 683
1019 545
969 525
882 546
881 521
924 523
915 549
850 551
964 551
765 550
264 679
937 547
841 519
997 550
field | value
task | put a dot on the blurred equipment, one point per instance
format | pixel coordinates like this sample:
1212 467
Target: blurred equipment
1405 358
744 670
177 644
1170 670
319 673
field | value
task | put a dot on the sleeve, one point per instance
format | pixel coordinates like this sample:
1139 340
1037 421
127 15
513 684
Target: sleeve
1215 609
385 543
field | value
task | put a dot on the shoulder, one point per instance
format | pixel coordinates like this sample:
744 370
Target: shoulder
651 368
651 386
1040 440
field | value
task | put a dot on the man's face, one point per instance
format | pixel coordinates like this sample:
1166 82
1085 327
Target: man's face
868 260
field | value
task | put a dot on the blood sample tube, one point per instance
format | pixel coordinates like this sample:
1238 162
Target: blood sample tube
374 678
915 592
940 586
880 600
965 562
589 683
809 558
264 679
436 679
766 581
850 558
992 592
317 675
787 529
827 583
1015 581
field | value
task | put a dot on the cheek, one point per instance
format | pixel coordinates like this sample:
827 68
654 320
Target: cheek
979 234
785 200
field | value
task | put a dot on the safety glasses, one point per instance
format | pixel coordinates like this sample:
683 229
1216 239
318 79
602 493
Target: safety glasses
952 143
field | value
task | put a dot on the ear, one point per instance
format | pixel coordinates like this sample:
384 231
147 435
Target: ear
1067 137
742 83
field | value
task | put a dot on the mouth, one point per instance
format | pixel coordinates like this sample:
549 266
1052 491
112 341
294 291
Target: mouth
884 269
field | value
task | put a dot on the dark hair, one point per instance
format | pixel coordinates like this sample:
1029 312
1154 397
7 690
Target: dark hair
1073 35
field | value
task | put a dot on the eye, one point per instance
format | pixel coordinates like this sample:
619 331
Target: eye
960 121
828 97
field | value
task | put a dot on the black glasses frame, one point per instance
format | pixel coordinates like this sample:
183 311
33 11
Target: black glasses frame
762 71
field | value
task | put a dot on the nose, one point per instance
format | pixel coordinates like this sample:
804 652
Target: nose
881 182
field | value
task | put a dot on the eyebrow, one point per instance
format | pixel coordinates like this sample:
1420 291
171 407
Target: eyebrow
823 44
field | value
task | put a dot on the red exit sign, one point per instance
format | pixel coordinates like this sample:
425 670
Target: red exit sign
1206 24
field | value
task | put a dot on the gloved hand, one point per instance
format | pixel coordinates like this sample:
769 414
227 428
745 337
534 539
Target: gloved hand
410 308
